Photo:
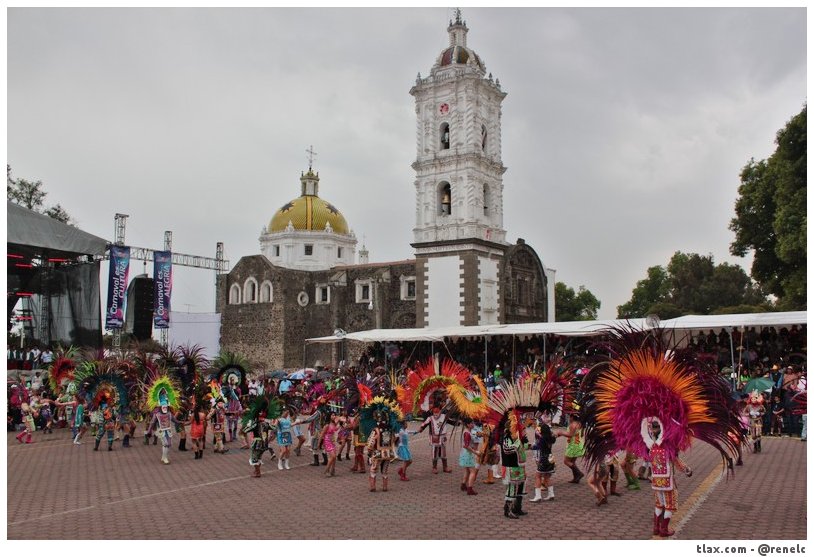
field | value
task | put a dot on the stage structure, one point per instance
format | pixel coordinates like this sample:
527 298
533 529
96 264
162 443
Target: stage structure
164 261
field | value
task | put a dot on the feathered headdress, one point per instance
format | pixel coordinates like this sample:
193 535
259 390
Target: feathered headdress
642 379
162 390
60 372
377 410
550 392
232 370
262 407
99 384
424 388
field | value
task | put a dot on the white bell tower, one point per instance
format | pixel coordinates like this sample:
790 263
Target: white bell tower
459 188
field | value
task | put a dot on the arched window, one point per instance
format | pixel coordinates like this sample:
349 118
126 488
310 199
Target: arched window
444 199
234 294
444 136
266 292
250 291
485 199
483 135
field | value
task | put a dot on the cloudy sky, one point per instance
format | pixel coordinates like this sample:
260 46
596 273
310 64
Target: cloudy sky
624 130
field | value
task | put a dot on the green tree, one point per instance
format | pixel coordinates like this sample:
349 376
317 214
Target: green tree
692 284
648 291
770 216
574 306
31 195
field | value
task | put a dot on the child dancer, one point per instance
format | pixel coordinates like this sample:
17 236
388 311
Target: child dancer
403 451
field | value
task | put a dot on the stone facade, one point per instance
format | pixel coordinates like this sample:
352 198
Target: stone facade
307 304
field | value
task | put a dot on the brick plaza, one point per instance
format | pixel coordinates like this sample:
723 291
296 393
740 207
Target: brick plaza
57 490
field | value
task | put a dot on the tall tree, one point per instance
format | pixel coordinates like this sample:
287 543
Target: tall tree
651 290
693 284
574 306
770 216
31 195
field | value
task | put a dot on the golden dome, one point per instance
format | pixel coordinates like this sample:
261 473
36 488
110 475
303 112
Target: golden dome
308 212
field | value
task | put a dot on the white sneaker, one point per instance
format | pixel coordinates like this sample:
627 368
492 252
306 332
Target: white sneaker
75 442
165 461
287 467
280 464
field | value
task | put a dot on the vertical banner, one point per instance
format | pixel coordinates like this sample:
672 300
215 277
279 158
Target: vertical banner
162 274
117 286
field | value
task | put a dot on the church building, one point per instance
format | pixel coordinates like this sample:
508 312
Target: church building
307 281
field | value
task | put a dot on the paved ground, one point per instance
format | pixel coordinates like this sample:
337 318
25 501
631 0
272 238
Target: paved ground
60 491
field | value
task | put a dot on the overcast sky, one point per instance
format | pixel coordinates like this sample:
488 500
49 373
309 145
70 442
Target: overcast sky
624 130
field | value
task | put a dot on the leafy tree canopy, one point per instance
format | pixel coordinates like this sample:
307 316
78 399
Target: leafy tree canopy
31 195
770 217
575 306
692 284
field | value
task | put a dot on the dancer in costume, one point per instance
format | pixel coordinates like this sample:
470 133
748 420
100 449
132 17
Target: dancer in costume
663 481
78 427
544 440
755 409
359 440
379 421
437 422
256 421
653 400
329 444
217 417
108 424
597 478
403 451
343 438
284 439
197 430
468 459
613 461
527 395
513 458
575 447
28 422
162 398
489 456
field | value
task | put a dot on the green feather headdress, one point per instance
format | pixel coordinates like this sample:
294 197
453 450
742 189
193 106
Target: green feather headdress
162 391
371 413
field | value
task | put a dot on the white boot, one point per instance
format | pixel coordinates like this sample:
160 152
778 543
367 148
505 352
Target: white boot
280 463
538 494
287 467
550 495
496 472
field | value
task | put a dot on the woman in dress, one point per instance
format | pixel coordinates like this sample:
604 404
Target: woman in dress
329 433
403 451
197 431
468 456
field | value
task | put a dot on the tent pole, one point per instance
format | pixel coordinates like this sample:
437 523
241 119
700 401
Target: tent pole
485 355
514 353
732 356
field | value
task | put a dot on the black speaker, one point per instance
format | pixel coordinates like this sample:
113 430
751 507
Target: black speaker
140 297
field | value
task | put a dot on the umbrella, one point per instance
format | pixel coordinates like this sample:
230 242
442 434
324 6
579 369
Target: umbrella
759 384
302 373
279 374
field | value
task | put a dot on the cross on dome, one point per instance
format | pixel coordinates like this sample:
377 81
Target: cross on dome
311 156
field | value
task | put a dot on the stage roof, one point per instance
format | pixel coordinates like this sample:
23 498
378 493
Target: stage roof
37 233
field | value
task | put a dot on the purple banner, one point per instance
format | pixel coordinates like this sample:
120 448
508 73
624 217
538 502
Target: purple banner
117 286
162 275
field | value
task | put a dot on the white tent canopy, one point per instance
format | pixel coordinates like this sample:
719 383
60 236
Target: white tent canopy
774 319
569 328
